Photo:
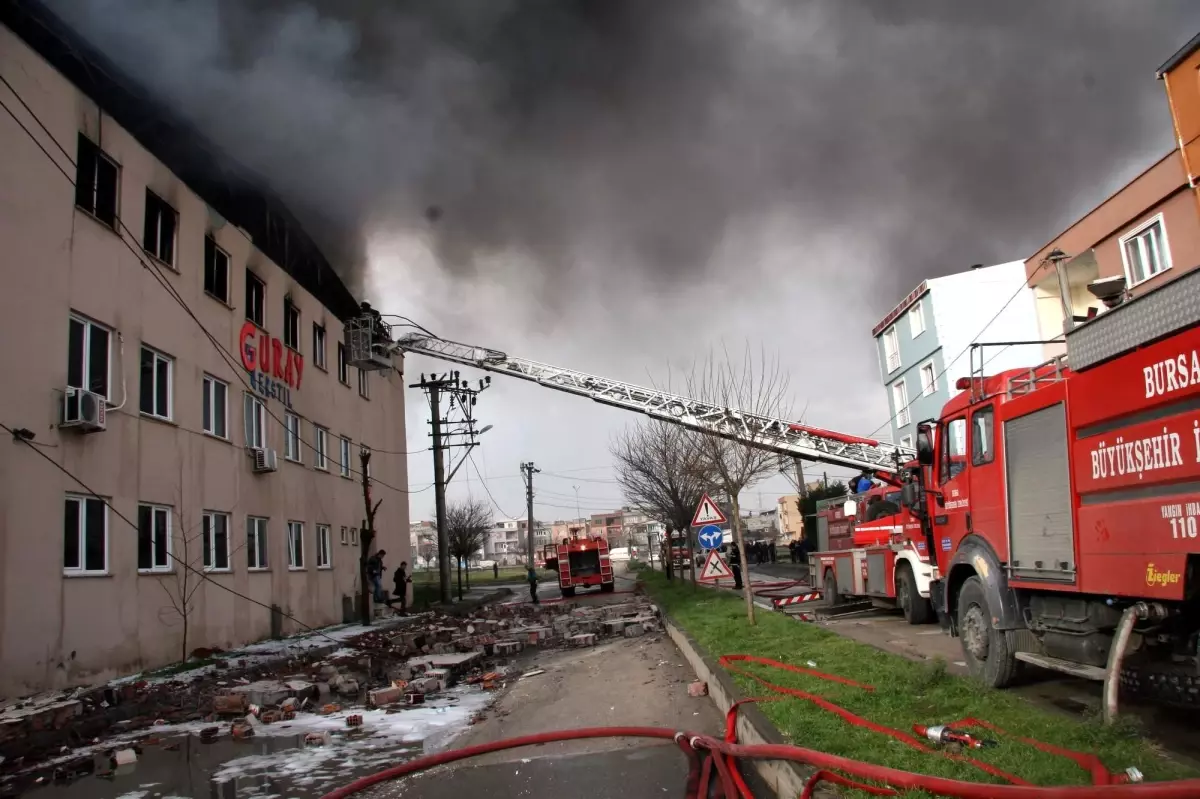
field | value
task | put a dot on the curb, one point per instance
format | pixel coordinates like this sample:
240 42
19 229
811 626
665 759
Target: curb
468 606
784 777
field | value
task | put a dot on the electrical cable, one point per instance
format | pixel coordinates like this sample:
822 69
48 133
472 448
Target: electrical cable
199 573
483 483
153 269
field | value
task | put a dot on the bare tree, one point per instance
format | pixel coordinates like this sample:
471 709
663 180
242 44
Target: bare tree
467 526
366 536
749 392
663 471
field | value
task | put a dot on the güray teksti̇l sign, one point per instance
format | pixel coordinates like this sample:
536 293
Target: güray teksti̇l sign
274 369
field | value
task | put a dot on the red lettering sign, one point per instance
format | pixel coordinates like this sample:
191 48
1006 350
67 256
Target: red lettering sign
249 355
268 356
1158 451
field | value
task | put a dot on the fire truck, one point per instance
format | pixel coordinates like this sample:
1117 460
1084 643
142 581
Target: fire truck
1058 506
580 563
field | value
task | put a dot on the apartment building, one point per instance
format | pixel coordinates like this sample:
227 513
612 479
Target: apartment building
788 517
422 543
923 343
187 429
1142 237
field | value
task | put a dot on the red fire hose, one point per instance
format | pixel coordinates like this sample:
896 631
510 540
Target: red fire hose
710 758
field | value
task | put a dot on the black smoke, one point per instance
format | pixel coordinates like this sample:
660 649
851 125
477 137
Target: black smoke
625 137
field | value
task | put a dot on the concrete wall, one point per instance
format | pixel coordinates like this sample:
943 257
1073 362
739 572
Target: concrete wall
58 630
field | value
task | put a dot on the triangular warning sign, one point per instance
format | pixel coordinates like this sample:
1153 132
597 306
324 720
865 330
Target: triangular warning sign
715 568
707 512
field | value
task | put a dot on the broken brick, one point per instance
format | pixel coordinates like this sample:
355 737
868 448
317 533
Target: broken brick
698 688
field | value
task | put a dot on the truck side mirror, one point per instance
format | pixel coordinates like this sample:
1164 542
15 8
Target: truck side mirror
924 446
850 509
909 494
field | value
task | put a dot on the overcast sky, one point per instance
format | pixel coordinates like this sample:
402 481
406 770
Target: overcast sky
618 187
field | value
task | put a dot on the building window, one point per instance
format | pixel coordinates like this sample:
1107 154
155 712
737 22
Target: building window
353 536
900 398
906 441
291 325
928 379
154 538
216 271
319 345
321 451
367 470
344 458
85 535
891 348
95 182
156 384
345 535
216 407
161 221
343 369
214 540
364 388
295 545
256 542
256 422
1145 251
323 547
916 320
291 436
256 300
88 361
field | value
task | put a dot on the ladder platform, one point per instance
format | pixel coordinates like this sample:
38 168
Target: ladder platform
1081 670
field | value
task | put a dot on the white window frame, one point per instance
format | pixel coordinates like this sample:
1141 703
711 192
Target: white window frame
156 511
891 359
917 313
353 536
906 441
931 389
324 547
208 542
210 384
1137 233
256 553
345 535
166 208
319 346
81 569
364 385
291 437
157 356
344 458
899 391
320 448
95 178
254 413
262 299
295 546
342 365
291 326
88 326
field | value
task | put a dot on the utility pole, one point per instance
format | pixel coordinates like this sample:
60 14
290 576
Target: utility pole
528 470
460 394
799 463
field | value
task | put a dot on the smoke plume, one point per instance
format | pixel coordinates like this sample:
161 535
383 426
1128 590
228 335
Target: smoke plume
625 138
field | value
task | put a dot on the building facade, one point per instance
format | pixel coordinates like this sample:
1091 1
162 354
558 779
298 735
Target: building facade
923 342
185 472
1142 237
422 544
789 518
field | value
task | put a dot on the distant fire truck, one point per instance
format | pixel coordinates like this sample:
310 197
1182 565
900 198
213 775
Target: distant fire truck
580 563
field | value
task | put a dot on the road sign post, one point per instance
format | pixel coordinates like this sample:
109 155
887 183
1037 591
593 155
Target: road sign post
711 537
707 513
715 568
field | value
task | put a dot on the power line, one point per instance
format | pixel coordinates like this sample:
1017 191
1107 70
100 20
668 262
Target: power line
482 482
170 554
153 269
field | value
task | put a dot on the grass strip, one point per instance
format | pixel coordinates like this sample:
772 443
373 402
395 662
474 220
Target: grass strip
906 693
508 574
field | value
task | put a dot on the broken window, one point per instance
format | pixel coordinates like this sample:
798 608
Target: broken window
216 271
256 300
158 239
96 182
319 345
291 325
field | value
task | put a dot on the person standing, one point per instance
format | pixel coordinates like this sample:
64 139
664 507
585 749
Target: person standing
771 551
735 565
668 564
533 586
496 570
375 575
400 581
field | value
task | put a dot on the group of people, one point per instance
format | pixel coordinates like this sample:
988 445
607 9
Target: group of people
400 581
760 552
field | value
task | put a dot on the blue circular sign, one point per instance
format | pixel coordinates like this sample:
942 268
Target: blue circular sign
711 536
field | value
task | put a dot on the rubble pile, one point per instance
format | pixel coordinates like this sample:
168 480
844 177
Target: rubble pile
390 668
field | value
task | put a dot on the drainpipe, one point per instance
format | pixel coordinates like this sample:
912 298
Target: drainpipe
1116 655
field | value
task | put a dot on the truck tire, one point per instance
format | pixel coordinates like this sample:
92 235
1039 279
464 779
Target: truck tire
917 609
607 588
568 592
985 649
829 589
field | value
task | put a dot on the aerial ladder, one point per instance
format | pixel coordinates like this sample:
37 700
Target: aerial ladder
369 345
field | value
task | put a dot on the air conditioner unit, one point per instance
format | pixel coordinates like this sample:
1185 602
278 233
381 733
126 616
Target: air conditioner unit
265 460
84 410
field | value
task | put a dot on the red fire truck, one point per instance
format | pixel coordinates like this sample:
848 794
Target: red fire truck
580 563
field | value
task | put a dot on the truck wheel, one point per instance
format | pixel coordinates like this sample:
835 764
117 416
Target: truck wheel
985 649
568 592
607 588
917 609
830 590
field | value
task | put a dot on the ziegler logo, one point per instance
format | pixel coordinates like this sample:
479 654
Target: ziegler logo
1161 579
